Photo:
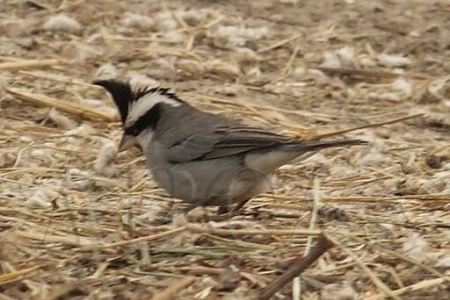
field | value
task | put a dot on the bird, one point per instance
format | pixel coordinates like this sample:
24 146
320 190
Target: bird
202 158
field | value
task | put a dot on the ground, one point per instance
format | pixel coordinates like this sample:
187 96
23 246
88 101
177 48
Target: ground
79 221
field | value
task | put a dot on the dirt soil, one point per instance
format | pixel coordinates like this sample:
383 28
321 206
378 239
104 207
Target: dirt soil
80 221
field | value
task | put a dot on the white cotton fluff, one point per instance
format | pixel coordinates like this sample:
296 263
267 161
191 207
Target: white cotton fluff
137 80
235 223
25 139
233 36
38 200
447 103
82 130
62 23
61 120
366 61
228 90
94 38
163 63
150 214
437 87
106 155
165 21
76 172
194 17
440 183
222 68
403 86
387 226
337 291
84 53
443 262
254 72
346 54
10 192
42 197
415 246
330 60
387 96
80 185
7 159
42 157
375 155
318 76
137 21
299 73
388 60
106 71
190 68
246 55
182 238
174 37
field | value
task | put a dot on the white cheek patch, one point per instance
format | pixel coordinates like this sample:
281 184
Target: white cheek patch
145 103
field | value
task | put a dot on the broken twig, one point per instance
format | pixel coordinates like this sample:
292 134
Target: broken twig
298 267
64 105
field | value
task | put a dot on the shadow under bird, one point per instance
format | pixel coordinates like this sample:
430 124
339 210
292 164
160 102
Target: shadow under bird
202 158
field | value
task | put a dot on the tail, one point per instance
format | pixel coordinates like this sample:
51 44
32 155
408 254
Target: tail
308 146
267 162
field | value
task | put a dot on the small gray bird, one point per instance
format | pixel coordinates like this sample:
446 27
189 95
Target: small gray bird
199 157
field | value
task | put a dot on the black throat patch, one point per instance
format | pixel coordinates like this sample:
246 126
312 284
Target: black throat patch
146 121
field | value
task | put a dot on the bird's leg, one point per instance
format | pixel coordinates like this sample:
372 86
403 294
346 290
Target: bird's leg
222 210
240 205
224 213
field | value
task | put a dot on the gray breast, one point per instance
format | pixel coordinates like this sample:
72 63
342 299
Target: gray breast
221 181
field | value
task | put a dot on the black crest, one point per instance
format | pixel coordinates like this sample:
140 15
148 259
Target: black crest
123 94
156 90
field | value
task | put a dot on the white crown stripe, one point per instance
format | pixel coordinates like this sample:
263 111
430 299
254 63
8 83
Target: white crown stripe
140 106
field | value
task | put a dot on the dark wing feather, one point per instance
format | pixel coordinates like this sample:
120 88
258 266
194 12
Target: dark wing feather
224 141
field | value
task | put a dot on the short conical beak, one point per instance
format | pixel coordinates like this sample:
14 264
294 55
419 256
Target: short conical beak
127 142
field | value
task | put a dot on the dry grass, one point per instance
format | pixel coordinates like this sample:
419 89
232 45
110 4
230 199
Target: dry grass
73 225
